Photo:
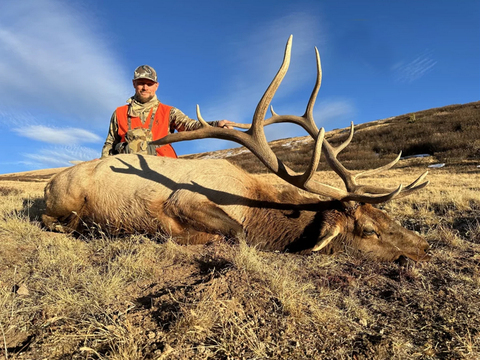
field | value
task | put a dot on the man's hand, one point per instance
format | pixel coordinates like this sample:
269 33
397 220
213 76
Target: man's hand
224 124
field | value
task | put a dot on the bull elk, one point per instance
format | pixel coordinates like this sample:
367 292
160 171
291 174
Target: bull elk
198 201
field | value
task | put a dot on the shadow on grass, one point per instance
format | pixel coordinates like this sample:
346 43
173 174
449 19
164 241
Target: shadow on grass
33 208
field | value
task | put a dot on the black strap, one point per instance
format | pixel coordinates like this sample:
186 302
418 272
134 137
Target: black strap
154 111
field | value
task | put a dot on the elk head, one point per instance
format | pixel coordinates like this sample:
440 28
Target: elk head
362 228
349 220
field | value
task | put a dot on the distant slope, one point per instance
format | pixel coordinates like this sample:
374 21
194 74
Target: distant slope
450 134
34 175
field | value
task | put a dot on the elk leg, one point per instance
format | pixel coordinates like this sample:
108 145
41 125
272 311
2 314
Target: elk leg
64 224
203 215
51 223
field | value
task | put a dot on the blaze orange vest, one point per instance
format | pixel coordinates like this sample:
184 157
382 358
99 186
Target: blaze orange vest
159 127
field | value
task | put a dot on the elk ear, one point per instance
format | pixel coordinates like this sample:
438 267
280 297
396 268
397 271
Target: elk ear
330 234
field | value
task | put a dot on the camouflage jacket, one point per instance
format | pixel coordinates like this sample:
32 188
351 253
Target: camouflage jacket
177 121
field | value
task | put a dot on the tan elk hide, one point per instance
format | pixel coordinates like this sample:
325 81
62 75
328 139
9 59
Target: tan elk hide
198 201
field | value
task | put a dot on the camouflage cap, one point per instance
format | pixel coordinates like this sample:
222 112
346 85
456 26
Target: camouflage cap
145 72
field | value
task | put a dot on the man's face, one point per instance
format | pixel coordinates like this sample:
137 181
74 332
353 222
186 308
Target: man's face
144 89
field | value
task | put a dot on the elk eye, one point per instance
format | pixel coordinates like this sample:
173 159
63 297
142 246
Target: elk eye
369 232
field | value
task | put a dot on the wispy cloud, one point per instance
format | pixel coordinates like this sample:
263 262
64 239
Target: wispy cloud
330 111
256 59
410 71
59 156
65 136
260 55
53 60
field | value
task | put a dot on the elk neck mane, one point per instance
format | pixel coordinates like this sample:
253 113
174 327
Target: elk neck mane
290 221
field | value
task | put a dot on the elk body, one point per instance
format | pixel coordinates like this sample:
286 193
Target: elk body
197 201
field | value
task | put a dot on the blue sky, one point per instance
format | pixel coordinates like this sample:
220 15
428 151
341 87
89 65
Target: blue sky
65 66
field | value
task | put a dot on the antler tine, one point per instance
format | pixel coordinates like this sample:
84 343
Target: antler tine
331 157
373 199
420 178
306 120
316 88
343 145
407 190
414 186
200 118
258 123
307 176
369 189
379 169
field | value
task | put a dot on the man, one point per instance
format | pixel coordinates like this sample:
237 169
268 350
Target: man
145 119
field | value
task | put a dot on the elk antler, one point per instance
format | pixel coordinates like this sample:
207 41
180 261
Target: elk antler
254 139
350 179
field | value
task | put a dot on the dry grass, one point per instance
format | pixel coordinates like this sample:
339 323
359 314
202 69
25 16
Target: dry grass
102 297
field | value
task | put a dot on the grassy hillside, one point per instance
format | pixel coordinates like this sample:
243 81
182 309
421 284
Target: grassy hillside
450 134
101 297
